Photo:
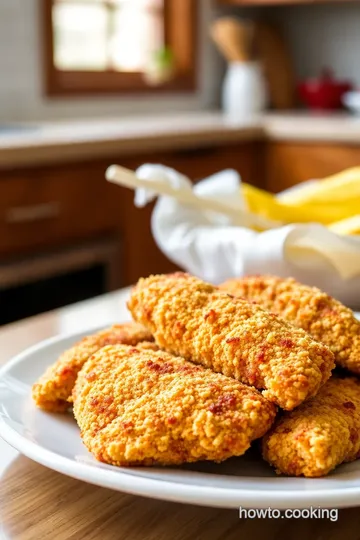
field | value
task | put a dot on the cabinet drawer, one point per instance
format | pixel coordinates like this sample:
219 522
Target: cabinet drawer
199 163
51 207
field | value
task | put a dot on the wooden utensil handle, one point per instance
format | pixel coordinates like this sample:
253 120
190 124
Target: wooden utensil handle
126 177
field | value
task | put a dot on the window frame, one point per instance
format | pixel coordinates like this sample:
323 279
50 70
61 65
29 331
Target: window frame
181 38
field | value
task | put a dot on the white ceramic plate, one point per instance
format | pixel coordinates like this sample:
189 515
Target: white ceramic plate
54 441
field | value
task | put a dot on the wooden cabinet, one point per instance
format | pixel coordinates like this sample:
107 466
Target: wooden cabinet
200 163
288 164
45 208
51 207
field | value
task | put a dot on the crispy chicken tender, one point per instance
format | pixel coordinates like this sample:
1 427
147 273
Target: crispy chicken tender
324 318
140 407
52 392
320 434
195 320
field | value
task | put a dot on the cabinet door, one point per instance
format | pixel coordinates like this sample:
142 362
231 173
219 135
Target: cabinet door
198 163
60 204
288 164
51 206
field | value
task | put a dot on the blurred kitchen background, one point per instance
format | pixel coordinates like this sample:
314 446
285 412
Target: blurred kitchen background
88 83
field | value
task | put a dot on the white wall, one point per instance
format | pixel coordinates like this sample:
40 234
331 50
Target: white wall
21 96
323 35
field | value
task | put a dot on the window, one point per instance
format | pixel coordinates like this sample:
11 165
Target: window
101 46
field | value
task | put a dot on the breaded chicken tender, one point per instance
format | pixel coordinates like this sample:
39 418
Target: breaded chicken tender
52 392
320 434
324 318
195 320
140 407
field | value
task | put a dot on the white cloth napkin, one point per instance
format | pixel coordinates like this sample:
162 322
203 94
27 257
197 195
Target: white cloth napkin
209 246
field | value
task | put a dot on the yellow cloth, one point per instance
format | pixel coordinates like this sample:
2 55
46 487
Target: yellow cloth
334 201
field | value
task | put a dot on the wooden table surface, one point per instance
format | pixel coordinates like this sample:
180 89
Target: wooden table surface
39 504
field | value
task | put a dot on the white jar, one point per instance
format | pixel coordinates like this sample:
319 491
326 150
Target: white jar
244 91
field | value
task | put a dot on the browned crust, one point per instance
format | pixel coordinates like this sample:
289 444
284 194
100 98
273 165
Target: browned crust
52 392
140 407
319 435
323 317
193 319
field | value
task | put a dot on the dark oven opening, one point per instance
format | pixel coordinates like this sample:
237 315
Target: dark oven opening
51 280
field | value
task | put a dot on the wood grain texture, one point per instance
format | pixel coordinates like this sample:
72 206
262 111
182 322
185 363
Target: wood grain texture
88 207
40 503
80 195
37 503
288 164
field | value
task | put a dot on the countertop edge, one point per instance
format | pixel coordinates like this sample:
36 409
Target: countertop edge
70 142
70 151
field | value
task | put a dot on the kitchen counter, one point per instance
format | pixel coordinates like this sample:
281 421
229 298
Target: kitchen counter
33 144
317 127
37 502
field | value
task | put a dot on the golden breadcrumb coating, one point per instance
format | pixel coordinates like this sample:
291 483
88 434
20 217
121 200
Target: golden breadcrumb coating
139 407
324 318
319 435
52 392
195 320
